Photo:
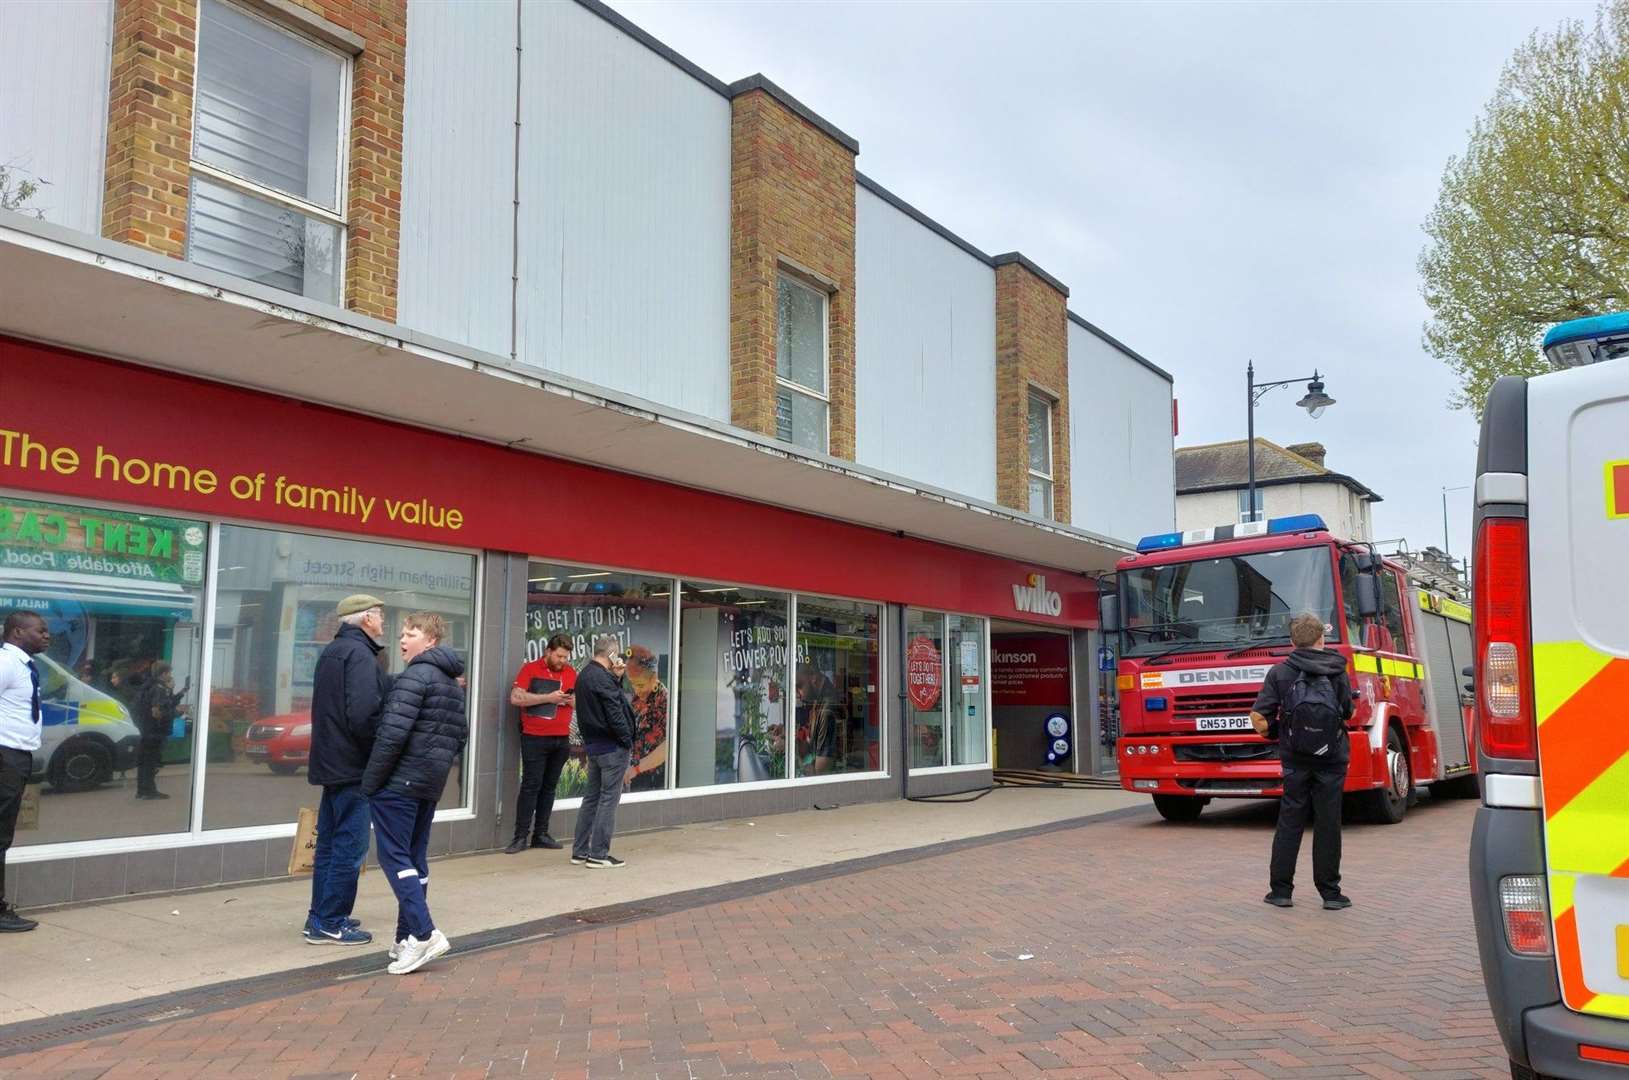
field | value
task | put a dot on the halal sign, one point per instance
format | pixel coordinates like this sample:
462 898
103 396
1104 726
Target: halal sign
924 673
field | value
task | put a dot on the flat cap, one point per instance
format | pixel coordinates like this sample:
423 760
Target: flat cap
358 603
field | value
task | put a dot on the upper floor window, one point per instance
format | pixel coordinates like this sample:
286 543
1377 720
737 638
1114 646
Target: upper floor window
1040 455
802 404
270 126
1246 512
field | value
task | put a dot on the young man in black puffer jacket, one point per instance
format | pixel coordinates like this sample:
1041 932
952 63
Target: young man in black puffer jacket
422 730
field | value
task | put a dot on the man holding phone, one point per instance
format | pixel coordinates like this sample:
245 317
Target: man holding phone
543 691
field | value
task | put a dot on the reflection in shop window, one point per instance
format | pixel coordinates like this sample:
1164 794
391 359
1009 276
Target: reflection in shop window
122 595
732 685
583 603
274 613
924 687
838 723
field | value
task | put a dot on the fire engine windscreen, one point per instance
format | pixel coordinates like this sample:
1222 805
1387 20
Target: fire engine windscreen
1240 600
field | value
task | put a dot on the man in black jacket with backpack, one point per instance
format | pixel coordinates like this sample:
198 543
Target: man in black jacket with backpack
1304 705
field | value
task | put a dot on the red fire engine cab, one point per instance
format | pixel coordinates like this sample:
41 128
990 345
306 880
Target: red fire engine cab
1202 615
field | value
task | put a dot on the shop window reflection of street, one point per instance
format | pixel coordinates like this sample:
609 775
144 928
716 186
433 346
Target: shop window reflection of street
274 613
122 594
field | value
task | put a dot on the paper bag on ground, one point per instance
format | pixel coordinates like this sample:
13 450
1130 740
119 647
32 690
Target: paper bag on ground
28 815
302 859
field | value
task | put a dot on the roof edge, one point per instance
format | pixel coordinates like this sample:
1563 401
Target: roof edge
762 82
919 217
1111 340
1278 481
1008 258
655 45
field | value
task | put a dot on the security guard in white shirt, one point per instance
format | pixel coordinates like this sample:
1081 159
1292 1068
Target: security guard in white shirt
22 637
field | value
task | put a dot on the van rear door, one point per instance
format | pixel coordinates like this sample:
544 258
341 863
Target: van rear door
1578 504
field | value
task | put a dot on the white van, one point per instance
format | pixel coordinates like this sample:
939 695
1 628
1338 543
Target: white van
85 736
1550 848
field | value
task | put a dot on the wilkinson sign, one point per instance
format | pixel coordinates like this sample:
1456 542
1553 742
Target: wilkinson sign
1035 599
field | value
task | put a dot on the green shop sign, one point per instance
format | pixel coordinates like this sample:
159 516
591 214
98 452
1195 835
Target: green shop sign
105 543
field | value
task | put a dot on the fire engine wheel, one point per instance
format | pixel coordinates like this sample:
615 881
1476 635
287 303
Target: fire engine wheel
1388 805
1179 807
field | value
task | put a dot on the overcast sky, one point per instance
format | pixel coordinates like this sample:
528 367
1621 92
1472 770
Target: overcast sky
1214 182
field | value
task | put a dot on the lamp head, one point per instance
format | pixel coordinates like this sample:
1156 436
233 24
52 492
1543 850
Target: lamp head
1315 401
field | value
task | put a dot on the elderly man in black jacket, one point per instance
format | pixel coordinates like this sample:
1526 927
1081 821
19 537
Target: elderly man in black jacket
421 733
347 692
606 722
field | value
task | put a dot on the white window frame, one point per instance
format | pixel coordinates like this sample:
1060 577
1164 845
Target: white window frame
798 281
1046 477
196 835
340 217
985 680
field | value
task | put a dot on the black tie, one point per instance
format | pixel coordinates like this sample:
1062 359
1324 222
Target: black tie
34 677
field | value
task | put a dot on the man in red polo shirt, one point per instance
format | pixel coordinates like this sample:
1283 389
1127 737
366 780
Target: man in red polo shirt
545 743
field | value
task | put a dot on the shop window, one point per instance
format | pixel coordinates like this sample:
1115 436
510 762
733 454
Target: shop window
583 603
122 595
733 692
274 613
802 405
838 717
969 720
270 125
925 686
1039 442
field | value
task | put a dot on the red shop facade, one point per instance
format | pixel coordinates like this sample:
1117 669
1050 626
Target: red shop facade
169 527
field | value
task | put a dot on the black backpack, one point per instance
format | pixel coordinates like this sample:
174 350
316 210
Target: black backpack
1312 714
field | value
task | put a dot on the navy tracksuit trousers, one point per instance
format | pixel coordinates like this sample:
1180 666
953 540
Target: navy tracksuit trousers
401 830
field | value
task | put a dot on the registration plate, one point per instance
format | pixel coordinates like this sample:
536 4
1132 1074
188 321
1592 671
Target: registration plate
1222 723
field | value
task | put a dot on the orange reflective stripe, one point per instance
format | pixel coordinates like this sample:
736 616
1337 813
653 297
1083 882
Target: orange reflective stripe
1570 962
1584 737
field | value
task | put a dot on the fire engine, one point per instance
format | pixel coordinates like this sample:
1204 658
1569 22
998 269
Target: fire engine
1549 859
1201 617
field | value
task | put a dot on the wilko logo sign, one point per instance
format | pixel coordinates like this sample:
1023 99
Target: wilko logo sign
924 674
1175 680
1034 598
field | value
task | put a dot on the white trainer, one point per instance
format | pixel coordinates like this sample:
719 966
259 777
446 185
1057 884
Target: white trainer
416 953
396 949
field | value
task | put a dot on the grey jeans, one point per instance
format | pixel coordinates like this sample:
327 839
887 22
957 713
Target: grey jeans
598 815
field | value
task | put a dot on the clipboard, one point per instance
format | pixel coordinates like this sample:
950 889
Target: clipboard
543 686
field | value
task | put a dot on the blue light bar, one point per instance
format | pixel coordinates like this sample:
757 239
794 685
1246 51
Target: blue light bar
1159 542
1587 341
1167 541
1297 523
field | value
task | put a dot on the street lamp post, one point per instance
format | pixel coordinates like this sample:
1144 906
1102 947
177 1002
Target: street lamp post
1315 401
1446 550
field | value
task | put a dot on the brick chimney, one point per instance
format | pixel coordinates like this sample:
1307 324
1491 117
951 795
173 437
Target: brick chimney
1312 451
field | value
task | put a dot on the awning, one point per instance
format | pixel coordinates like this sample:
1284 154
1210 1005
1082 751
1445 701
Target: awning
152 310
37 591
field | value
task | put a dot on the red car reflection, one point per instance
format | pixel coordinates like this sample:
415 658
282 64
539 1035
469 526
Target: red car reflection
281 743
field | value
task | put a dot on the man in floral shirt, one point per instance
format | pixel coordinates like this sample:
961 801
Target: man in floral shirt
646 762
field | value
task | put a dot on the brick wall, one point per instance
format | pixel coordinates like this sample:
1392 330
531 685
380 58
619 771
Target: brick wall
791 201
150 105
1032 350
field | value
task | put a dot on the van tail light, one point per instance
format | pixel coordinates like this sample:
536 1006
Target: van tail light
1504 641
1527 917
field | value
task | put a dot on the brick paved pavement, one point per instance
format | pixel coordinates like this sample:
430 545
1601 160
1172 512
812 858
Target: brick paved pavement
1125 948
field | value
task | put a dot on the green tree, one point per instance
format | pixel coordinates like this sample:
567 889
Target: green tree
1531 226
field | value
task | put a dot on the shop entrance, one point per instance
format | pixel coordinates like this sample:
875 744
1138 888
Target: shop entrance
1032 698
